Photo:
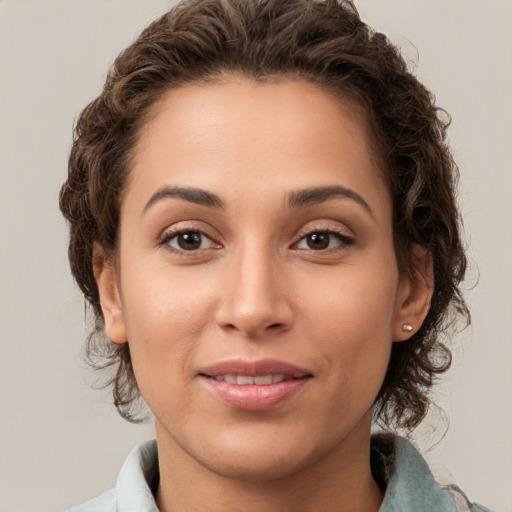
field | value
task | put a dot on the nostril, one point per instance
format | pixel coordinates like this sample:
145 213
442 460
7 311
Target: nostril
254 331
255 319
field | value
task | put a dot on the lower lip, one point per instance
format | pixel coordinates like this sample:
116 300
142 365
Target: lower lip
254 397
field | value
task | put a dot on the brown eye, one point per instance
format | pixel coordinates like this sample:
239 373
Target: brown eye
189 241
318 241
324 240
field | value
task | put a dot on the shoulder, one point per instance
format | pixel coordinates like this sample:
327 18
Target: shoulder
106 502
462 502
409 483
135 485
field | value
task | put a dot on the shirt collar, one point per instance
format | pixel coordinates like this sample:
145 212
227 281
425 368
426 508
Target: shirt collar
138 479
409 483
410 486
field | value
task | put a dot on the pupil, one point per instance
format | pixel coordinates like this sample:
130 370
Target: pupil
318 240
190 240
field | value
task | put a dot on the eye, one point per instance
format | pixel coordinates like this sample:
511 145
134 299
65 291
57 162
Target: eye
323 240
189 240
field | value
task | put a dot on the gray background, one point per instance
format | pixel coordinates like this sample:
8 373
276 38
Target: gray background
61 442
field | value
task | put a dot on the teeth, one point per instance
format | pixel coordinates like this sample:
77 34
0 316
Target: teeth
264 379
243 380
247 380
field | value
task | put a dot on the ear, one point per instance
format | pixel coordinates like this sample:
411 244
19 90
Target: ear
110 298
414 294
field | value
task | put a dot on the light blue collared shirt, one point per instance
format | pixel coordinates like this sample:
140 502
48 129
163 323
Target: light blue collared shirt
410 486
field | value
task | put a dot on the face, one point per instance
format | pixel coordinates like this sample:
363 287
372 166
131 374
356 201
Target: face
256 282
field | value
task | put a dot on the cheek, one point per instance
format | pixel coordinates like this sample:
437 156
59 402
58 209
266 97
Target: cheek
351 299
165 313
351 324
160 300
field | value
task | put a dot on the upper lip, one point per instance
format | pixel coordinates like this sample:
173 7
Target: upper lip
254 368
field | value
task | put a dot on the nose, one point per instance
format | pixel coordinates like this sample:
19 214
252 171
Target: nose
255 299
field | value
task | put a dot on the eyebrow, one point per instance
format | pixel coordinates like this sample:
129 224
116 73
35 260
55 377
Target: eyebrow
317 195
193 195
304 197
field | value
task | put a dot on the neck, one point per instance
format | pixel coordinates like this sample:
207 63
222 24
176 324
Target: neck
340 480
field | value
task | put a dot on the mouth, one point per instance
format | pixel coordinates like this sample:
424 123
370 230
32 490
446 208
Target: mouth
254 386
248 380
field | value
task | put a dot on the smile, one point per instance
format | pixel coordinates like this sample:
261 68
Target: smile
247 380
254 386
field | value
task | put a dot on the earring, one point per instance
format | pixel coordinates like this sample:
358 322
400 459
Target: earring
407 327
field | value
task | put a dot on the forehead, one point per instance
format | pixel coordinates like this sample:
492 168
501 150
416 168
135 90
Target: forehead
287 102
239 131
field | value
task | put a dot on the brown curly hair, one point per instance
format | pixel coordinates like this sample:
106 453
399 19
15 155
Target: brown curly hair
321 41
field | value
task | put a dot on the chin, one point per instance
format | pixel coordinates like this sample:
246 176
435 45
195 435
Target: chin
256 457
265 467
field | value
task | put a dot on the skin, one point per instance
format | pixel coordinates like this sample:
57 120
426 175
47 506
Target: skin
257 288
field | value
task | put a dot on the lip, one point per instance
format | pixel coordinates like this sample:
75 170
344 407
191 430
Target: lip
255 368
254 397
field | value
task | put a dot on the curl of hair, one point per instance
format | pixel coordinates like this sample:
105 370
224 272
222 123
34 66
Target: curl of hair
321 41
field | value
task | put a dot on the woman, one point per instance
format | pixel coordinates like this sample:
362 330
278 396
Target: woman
262 214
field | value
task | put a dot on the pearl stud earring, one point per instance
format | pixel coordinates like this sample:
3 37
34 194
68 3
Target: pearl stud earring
407 327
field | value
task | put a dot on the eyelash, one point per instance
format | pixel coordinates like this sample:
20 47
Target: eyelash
168 236
344 240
